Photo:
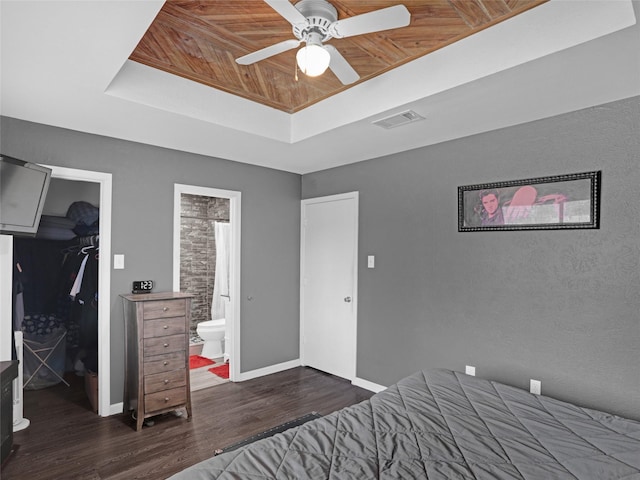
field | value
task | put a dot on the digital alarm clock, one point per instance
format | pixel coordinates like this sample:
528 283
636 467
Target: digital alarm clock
142 286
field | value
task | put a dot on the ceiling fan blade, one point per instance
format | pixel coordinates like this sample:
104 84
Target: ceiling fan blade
287 11
383 19
340 67
268 52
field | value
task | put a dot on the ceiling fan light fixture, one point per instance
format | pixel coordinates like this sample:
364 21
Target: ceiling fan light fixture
313 59
315 22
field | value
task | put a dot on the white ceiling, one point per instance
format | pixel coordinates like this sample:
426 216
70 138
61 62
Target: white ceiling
64 63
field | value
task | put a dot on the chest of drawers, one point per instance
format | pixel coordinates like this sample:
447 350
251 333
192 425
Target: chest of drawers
8 372
156 354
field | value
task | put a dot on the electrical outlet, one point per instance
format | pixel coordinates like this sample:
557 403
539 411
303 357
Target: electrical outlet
535 386
469 370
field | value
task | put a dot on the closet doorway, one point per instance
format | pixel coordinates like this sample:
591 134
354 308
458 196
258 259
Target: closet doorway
223 207
104 279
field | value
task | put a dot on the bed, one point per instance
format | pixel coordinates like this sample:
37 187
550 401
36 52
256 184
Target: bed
440 424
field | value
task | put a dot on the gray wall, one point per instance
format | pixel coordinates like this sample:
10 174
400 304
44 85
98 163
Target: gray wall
559 306
142 229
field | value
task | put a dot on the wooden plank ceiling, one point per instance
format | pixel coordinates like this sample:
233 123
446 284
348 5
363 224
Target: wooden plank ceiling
200 40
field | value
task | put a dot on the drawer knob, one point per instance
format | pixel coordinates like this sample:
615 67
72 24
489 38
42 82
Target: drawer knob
166 399
166 381
166 345
165 327
165 363
164 309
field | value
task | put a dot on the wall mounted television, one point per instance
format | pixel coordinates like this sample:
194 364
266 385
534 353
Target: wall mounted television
23 190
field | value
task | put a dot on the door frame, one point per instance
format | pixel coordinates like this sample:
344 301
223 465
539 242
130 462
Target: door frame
235 199
354 196
104 280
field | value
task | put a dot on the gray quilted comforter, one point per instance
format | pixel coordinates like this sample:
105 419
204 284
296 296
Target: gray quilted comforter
443 425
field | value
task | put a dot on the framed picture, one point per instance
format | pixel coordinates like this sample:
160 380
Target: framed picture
545 203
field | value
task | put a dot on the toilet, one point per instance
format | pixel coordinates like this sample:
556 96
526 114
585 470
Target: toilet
212 332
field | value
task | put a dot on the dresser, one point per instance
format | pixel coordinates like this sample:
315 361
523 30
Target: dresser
8 372
156 354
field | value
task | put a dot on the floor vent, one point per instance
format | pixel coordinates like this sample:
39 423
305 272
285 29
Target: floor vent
398 119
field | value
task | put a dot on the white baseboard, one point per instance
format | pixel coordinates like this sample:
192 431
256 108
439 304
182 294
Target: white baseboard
260 372
358 382
367 385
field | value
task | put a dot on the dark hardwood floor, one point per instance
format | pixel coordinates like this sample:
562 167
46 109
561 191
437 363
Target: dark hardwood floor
67 441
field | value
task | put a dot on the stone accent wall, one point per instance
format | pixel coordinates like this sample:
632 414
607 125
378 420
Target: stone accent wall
198 251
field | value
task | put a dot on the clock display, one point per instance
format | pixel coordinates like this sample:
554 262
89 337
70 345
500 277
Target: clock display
142 286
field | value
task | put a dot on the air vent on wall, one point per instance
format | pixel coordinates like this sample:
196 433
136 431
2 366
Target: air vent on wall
398 119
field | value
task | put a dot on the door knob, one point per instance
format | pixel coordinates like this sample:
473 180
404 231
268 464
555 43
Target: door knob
347 299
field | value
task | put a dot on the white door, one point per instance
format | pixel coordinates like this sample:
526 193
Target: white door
328 284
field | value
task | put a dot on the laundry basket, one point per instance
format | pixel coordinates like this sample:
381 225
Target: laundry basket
44 358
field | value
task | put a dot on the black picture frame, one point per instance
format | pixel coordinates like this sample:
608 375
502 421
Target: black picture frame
545 203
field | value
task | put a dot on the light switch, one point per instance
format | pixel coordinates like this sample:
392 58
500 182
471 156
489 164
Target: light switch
118 261
371 261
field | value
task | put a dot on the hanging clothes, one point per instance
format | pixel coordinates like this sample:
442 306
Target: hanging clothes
66 306
77 283
18 297
17 314
78 302
87 298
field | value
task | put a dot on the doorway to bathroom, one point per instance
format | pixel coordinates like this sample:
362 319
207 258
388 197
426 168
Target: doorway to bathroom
206 264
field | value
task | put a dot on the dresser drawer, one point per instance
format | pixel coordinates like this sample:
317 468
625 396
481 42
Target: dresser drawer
164 308
164 363
160 345
165 381
164 326
165 399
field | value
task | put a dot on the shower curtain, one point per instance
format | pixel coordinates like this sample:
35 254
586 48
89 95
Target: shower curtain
221 281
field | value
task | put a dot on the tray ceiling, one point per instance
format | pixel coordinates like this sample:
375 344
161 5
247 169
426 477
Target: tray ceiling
200 40
66 64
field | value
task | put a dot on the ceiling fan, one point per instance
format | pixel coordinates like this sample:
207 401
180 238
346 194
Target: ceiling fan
315 22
